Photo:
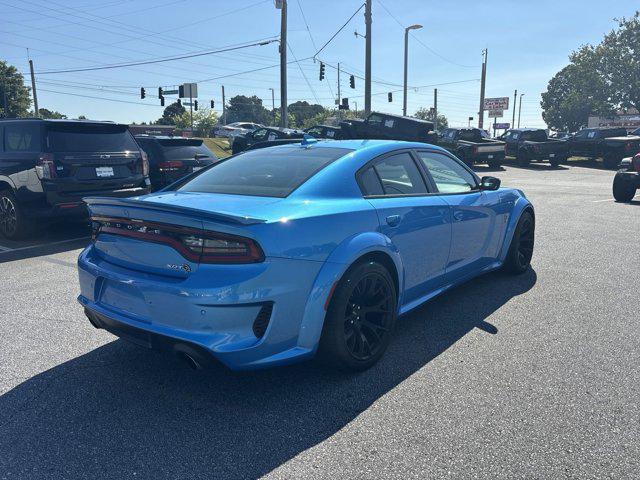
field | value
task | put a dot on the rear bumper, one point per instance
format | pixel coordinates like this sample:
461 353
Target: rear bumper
72 206
211 314
480 157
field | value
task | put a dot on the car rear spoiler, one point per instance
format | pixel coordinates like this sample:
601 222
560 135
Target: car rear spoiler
194 212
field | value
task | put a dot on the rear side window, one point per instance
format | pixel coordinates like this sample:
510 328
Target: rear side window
370 183
267 172
400 175
535 136
90 138
448 175
185 150
22 137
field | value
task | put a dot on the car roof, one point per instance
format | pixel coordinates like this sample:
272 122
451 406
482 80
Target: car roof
402 117
363 145
163 137
527 129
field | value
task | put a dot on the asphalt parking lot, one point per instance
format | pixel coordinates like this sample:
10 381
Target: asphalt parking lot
536 376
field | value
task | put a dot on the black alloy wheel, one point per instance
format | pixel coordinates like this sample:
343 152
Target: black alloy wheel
360 318
521 248
368 316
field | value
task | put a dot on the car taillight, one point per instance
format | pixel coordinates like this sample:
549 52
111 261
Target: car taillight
170 165
220 248
45 167
475 150
195 245
636 163
145 164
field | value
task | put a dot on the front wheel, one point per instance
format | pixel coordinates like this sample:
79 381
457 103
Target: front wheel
360 318
623 191
521 248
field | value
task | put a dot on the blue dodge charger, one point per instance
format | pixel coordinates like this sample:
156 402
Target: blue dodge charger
276 255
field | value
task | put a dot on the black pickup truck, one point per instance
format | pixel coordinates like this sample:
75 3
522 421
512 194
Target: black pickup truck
384 126
610 144
473 145
530 144
264 137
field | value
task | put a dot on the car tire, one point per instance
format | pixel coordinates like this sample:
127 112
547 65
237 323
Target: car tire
522 158
360 318
623 191
521 249
555 162
611 161
494 164
13 223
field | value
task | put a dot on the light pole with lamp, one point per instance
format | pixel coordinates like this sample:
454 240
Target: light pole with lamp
406 61
520 109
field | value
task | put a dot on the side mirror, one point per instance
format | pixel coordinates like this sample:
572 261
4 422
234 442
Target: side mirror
489 183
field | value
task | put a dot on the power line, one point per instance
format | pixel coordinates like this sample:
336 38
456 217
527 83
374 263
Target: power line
339 30
421 42
158 60
313 92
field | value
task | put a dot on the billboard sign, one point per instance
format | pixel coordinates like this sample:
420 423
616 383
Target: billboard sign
498 103
502 126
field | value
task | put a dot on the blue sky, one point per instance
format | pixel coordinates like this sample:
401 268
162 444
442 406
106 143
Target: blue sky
528 41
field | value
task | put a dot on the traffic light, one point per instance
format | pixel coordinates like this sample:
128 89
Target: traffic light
162 101
390 96
160 92
321 71
181 91
212 104
179 102
142 92
344 105
352 81
195 105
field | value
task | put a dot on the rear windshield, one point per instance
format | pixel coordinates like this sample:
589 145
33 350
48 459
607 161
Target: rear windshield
185 149
90 138
535 136
268 172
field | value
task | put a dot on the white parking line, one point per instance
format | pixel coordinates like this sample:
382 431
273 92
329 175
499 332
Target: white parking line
43 245
600 201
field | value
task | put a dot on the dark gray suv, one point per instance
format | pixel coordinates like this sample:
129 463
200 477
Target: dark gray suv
48 166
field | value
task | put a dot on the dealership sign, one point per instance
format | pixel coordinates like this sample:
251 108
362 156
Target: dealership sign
498 103
496 113
502 126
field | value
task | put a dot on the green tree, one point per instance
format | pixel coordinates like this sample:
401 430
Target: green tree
13 89
247 109
171 113
424 113
204 120
620 62
577 91
46 113
303 111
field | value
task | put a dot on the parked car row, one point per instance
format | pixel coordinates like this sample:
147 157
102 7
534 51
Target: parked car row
47 167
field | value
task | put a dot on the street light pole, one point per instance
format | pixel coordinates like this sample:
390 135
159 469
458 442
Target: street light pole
406 63
273 105
282 4
367 58
520 109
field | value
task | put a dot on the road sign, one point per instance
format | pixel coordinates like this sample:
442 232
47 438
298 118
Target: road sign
170 92
189 90
496 113
502 126
498 103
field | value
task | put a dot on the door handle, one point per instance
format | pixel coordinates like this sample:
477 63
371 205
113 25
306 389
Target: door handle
393 220
458 215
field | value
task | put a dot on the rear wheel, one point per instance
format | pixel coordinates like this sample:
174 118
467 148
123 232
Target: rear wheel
522 158
360 318
623 191
13 224
521 248
556 161
494 164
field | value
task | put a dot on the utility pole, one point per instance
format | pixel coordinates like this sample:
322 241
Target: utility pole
515 99
191 108
33 87
273 105
339 97
367 59
520 109
406 68
483 80
283 62
224 108
435 109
